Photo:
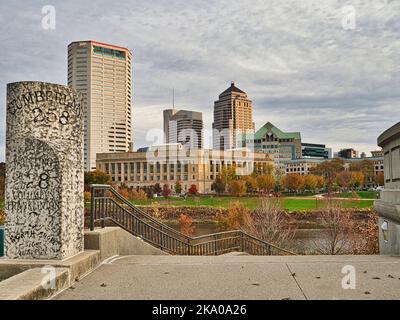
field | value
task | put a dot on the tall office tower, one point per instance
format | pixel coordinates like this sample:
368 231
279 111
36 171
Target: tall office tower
184 127
233 119
103 74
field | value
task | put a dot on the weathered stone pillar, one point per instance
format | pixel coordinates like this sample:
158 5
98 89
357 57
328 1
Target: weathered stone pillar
44 172
388 207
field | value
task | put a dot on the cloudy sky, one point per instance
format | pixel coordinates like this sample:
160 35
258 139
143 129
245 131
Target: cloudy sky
302 69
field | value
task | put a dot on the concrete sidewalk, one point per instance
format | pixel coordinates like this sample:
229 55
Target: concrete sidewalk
239 277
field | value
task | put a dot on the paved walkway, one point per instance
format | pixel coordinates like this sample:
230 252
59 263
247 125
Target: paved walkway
239 277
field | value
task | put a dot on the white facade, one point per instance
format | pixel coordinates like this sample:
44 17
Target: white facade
102 73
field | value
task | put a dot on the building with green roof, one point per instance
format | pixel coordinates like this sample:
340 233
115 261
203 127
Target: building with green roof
283 145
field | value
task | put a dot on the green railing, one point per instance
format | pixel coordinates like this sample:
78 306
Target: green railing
108 205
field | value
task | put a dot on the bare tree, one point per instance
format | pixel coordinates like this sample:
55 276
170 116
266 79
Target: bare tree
339 226
270 222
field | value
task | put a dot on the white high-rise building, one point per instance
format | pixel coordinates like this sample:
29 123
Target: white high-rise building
102 73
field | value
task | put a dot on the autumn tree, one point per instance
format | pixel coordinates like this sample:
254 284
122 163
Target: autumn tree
178 187
311 182
228 174
380 179
166 191
251 184
329 170
320 182
237 188
344 180
193 190
157 189
294 182
263 169
366 167
357 179
266 182
218 185
278 179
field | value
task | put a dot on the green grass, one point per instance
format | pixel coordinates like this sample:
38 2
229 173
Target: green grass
290 204
361 194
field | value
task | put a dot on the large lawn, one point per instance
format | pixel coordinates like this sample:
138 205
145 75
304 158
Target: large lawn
290 204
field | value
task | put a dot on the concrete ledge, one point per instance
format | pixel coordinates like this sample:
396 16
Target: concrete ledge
28 285
112 241
24 276
388 210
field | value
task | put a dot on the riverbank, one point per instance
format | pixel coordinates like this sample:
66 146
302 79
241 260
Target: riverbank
207 215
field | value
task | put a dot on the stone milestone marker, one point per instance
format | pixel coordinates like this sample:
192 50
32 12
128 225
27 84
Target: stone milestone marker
44 171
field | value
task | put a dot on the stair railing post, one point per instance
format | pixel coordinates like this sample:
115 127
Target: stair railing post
103 209
92 191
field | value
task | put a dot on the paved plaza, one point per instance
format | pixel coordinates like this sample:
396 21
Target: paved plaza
239 277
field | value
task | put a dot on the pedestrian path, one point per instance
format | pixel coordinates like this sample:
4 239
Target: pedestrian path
241 277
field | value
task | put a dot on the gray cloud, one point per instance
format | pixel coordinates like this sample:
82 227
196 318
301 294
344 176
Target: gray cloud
303 71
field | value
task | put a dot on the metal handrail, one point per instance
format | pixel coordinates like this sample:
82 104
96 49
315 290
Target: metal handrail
139 223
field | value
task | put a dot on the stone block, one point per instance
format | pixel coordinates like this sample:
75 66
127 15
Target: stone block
44 173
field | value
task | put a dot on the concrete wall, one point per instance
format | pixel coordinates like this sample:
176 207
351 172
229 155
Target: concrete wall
113 241
388 207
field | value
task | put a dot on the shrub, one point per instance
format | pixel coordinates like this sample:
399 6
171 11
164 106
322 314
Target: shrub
178 188
193 190
137 195
366 236
166 191
270 222
233 219
186 224
157 189
87 196
339 225
2 217
124 192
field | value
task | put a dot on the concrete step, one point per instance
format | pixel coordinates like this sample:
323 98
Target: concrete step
33 285
26 279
